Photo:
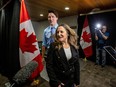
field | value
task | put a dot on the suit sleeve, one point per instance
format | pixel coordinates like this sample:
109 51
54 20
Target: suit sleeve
49 66
77 70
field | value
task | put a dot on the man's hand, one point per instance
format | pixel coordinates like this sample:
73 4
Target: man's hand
100 31
96 37
43 51
105 37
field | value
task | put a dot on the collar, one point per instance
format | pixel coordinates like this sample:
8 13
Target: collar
56 25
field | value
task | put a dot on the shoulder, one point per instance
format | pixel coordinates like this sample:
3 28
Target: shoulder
52 45
47 29
72 47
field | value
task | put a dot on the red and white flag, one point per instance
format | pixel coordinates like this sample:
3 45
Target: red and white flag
29 50
85 40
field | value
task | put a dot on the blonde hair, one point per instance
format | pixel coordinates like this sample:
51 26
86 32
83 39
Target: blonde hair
72 37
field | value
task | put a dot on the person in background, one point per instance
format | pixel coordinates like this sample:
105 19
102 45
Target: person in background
62 62
48 35
101 36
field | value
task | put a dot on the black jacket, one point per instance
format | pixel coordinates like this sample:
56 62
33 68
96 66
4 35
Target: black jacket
59 69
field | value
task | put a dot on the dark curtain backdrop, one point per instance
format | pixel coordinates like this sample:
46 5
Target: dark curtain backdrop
106 18
9 38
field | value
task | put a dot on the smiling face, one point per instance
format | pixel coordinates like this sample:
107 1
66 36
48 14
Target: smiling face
61 34
52 19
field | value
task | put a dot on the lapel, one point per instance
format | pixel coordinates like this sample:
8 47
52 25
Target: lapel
73 51
62 54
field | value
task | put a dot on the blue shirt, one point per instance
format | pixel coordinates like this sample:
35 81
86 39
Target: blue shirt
47 35
101 42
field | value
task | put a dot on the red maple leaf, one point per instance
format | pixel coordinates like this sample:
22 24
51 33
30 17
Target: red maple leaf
86 37
26 43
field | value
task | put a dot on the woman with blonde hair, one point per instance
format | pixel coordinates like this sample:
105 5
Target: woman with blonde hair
62 62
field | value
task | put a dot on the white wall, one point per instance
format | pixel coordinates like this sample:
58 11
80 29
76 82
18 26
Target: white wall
40 26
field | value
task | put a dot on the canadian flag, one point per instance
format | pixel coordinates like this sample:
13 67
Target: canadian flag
85 40
28 46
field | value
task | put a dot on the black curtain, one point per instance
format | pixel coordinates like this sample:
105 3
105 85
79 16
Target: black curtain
106 18
9 38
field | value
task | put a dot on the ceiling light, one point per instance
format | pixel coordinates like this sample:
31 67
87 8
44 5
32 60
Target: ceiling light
41 15
66 8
